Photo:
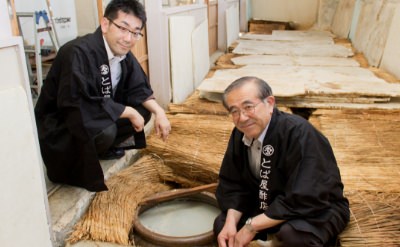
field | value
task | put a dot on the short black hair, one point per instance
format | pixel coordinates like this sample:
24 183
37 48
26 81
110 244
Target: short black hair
264 90
133 7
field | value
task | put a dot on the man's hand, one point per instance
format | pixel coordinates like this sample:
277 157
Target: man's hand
244 237
134 117
162 125
226 238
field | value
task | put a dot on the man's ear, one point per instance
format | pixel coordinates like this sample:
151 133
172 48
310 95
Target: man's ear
271 100
104 24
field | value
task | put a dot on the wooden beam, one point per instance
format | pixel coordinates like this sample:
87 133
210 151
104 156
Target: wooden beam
100 9
14 23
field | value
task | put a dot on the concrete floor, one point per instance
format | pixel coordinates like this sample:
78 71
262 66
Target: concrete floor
67 203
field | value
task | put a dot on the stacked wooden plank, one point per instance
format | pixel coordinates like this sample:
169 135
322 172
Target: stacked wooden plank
305 69
264 26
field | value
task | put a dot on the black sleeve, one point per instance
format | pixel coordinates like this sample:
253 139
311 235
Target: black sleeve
236 190
134 88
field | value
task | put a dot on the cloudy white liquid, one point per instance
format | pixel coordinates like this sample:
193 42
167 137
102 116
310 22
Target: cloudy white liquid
180 218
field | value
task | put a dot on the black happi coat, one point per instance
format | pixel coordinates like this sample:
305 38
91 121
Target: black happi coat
71 109
304 184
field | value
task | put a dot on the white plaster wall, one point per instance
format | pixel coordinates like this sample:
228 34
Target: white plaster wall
303 13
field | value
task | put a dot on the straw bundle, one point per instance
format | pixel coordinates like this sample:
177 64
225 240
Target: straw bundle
366 146
195 147
374 220
196 105
372 178
111 214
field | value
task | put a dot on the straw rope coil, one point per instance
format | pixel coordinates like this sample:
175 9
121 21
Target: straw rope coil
110 215
196 105
374 220
366 144
195 146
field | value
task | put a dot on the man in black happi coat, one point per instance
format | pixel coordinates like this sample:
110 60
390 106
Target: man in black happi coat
279 176
96 100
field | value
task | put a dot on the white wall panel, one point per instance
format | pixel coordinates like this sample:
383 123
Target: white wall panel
180 40
201 59
232 24
372 28
391 55
24 216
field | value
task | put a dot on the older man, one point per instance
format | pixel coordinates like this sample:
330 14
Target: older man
279 176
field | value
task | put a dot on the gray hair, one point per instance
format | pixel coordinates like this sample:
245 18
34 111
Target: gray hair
264 90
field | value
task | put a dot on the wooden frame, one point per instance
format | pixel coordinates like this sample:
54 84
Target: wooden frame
14 23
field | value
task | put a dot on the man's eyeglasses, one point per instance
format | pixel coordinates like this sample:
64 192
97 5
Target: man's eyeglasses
124 30
247 110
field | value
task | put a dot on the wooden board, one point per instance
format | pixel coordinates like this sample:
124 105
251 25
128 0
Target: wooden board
317 99
300 34
294 60
222 78
291 48
288 81
305 36
272 42
327 104
266 27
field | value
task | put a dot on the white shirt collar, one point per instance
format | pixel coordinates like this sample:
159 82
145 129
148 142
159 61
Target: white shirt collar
248 141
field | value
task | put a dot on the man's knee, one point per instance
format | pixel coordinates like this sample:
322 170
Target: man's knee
104 140
290 237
